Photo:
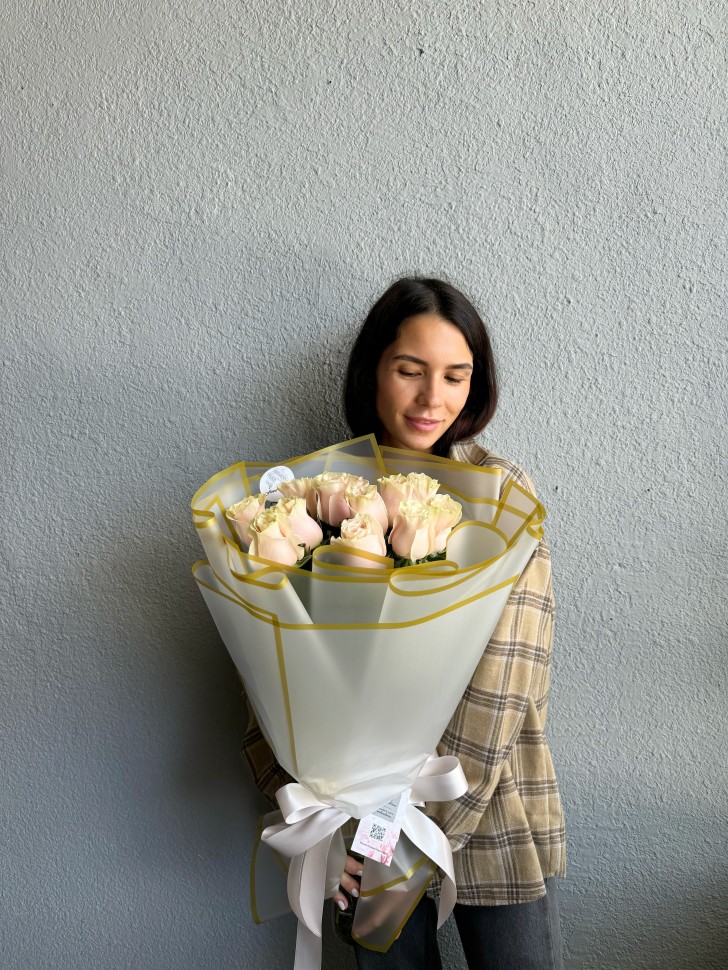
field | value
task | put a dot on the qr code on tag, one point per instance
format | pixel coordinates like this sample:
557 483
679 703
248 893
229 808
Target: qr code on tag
377 832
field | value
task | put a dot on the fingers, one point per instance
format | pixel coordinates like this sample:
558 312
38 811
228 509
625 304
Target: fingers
349 882
353 866
341 901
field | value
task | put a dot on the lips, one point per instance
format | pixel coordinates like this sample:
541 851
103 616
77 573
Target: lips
421 424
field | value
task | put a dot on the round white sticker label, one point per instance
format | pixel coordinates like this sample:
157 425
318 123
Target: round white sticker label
270 480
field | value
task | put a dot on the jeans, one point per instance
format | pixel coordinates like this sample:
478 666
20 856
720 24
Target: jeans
521 936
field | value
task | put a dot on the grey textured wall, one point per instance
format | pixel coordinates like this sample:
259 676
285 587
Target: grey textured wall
199 202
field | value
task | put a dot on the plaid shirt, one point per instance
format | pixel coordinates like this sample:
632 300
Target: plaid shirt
507 830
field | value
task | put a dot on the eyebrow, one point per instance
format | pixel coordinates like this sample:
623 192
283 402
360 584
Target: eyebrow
423 363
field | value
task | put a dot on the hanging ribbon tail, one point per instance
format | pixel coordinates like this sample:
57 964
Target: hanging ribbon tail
441 780
308 950
306 837
307 884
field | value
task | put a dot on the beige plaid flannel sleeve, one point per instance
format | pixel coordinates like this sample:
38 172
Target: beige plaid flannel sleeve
508 689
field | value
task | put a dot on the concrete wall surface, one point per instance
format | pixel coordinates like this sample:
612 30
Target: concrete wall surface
199 203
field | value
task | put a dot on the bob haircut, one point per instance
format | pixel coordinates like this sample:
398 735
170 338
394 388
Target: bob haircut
409 297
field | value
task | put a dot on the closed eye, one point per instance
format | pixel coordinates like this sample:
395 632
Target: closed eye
448 378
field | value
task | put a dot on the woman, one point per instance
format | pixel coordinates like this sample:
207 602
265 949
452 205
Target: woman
421 376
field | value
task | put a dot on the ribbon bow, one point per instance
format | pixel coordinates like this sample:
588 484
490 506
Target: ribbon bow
308 837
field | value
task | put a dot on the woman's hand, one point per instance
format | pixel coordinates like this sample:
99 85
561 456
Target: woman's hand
349 882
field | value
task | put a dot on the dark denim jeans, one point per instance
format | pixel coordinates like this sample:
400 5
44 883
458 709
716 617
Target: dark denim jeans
523 936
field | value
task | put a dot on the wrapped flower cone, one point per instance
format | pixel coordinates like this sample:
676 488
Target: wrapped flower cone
397 646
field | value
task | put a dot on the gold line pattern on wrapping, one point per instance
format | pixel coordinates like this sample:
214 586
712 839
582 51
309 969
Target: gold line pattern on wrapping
405 877
393 937
272 619
447 567
280 862
386 562
204 511
237 466
435 460
361 574
369 575
256 611
212 518
314 454
463 574
286 698
538 509
432 466
481 525
380 576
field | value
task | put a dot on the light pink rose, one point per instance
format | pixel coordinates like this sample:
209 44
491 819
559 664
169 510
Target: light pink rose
300 488
448 513
364 533
272 540
242 514
413 532
330 488
294 520
403 488
364 498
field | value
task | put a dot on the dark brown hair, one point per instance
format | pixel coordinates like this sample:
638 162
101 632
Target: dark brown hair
407 298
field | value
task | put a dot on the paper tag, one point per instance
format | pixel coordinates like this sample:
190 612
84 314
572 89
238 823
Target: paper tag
377 834
270 480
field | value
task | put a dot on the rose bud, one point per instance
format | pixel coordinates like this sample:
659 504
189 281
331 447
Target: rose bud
403 488
299 522
413 532
242 514
362 532
271 539
300 488
448 513
332 505
364 498
422 486
393 490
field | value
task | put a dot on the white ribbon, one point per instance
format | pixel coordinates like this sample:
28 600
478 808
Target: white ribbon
306 836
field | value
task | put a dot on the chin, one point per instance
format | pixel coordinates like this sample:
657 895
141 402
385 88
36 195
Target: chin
420 442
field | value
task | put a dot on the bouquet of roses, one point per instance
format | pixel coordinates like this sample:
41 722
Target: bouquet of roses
348 513
335 599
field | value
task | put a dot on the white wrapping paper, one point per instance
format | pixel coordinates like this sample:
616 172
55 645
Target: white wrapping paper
354 673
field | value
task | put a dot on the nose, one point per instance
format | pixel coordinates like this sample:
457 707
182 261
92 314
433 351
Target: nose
429 393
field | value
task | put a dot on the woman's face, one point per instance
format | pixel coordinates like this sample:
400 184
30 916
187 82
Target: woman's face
423 382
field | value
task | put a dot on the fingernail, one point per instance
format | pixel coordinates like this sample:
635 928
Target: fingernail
341 904
355 893
360 873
